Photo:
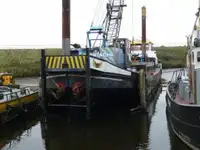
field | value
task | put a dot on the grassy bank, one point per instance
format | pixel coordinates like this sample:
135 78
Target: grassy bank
27 62
172 57
22 63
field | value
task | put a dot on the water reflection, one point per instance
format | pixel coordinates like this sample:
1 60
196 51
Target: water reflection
13 134
113 133
117 131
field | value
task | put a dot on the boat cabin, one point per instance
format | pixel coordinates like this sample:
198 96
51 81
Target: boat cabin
137 46
193 63
136 51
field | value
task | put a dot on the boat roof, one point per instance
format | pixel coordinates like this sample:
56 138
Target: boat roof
139 42
149 53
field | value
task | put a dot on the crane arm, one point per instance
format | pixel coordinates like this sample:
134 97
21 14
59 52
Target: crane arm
110 27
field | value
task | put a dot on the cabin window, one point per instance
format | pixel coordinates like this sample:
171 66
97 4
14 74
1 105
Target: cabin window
152 60
198 56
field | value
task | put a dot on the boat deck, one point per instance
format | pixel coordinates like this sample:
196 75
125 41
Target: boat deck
181 101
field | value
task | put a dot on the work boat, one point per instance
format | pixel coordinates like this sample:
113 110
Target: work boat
154 67
15 99
183 95
101 75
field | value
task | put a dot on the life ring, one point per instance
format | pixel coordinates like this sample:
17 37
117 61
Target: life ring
60 86
77 88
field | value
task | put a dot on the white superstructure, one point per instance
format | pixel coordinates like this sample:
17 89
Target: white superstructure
136 49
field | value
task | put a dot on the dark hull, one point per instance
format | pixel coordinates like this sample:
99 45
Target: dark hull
175 142
106 89
185 121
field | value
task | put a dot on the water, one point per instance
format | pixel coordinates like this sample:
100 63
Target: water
117 131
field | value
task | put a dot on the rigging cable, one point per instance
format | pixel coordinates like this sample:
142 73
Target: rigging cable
132 34
99 13
95 12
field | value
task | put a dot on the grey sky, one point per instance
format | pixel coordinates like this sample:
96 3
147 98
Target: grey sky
38 22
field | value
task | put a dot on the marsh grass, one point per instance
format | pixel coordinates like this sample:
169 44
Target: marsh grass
23 63
172 57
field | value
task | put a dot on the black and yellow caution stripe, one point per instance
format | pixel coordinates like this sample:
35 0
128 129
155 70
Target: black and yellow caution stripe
55 62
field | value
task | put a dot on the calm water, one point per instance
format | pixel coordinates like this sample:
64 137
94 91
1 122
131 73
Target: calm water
117 131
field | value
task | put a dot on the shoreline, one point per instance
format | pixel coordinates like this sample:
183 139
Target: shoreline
26 62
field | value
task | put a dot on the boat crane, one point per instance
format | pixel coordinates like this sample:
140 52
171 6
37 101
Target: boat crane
110 27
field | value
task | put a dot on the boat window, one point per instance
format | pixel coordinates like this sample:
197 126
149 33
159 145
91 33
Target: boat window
198 56
152 59
135 58
136 47
1 96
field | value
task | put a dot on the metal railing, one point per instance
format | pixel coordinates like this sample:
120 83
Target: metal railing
178 74
15 94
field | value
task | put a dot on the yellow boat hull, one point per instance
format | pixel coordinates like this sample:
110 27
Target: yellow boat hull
18 102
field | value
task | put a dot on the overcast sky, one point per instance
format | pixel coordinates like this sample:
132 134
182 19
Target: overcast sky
38 22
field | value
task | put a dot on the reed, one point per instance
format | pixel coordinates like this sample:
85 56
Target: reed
172 57
26 63
22 63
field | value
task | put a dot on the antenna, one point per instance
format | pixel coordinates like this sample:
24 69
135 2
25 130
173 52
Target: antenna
198 24
133 23
199 3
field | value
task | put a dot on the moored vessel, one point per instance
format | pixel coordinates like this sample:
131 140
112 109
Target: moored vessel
182 96
153 69
103 74
15 99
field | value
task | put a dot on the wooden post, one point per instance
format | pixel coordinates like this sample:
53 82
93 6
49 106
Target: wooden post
144 32
88 85
66 27
143 76
142 89
43 80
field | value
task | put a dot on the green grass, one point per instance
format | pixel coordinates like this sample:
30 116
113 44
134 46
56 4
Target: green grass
172 57
23 63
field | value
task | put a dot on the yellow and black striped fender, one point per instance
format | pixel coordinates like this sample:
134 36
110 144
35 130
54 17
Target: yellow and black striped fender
73 62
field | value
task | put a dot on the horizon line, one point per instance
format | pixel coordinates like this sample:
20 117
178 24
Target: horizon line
59 46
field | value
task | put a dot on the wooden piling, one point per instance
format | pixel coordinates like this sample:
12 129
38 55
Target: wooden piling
144 71
43 81
142 89
144 32
88 85
66 27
